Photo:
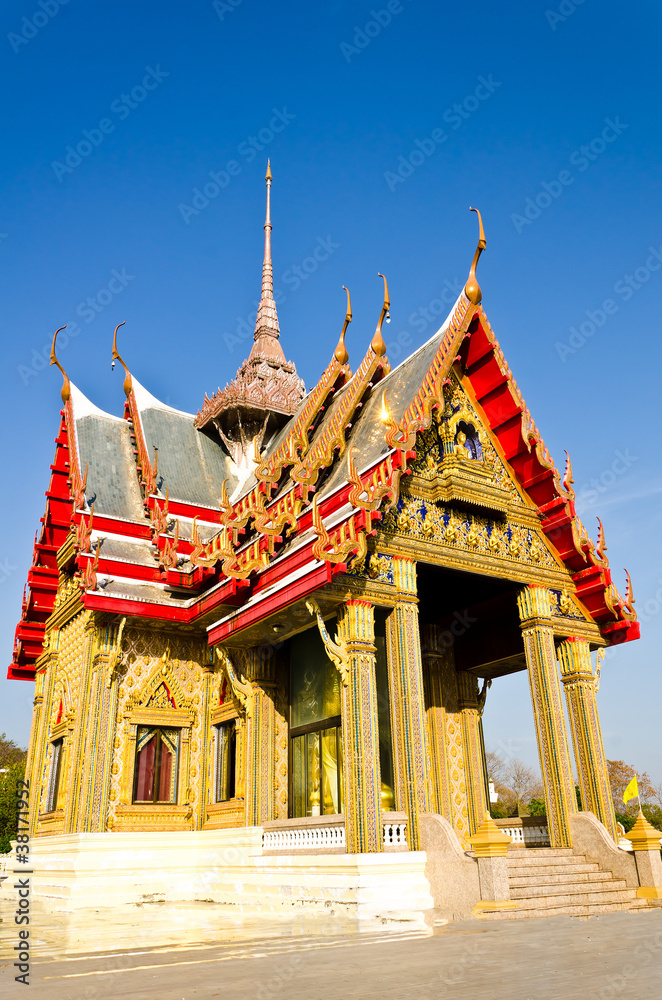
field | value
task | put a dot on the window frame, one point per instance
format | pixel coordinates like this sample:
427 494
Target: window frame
55 775
157 731
231 751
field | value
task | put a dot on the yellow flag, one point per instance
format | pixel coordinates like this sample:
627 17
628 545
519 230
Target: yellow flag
632 791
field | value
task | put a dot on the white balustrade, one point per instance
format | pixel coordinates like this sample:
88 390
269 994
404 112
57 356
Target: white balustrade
527 835
395 834
304 838
320 837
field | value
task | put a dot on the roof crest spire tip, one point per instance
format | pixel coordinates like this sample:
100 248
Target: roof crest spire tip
472 288
116 356
377 344
340 353
65 392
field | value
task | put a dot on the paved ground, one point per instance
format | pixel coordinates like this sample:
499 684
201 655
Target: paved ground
607 957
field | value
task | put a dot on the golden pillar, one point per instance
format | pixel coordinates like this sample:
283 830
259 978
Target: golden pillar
34 768
448 791
535 613
261 739
360 729
473 744
580 687
410 754
87 804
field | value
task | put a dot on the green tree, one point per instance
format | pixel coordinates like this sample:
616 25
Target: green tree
9 778
10 752
12 770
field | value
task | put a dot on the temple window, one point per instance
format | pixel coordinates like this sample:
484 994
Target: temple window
225 761
467 441
156 765
54 780
315 729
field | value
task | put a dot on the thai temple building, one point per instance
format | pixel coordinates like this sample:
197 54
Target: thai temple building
262 638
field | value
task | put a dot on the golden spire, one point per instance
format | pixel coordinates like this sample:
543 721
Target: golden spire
629 596
267 330
340 353
118 357
377 344
65 392
567 477
472 288
601 548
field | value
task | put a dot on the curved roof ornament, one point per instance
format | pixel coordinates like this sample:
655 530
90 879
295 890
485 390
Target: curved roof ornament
377 344
340 353
128 381
65 392
629 596
472 288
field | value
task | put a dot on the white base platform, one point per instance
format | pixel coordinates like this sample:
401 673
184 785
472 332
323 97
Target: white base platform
226 867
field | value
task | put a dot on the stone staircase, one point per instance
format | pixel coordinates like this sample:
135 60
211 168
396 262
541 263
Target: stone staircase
552 882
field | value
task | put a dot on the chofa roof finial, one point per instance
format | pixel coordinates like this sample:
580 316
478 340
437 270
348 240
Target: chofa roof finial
472 288
65 392
377 344
340 353
118 357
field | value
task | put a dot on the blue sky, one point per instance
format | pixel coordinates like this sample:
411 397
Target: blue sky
384 122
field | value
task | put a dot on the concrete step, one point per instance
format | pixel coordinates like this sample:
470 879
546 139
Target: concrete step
593 874
536 859
564 911
569 889
601 897
540 852
521 871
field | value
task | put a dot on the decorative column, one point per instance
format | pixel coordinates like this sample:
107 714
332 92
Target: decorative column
360 729
470 703
410 754
535 613
37 751
448 793
93 749
261 733
580 687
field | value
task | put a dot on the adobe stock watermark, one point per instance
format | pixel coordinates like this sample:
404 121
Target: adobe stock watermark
224 7
293 277
437 307
630 974
624 288
379 19
581 158
248 149
88 310
122 107
589 493
31 26
565 10
6 570
455 117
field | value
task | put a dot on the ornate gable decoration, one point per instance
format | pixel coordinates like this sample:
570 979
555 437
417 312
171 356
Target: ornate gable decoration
456 460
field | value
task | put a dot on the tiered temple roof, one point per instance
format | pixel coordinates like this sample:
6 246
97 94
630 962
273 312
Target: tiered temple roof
224 519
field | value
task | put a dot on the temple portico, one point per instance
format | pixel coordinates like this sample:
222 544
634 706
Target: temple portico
268 630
